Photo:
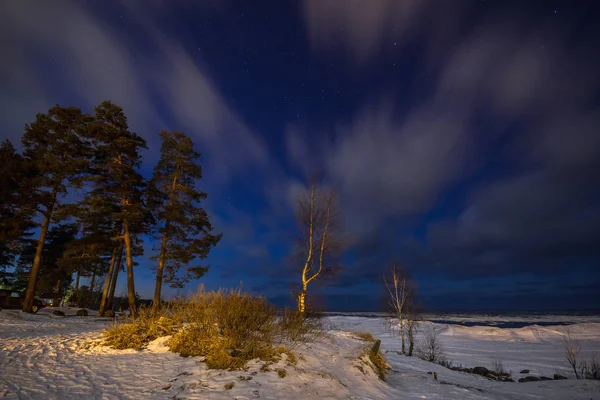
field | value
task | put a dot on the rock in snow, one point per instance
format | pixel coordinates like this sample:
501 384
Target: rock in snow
530 379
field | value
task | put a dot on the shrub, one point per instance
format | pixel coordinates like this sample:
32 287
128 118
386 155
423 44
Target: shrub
430 349
498 368
291 357
227 328
378 362
136 333
295 328
282 373
265 367
591 370
572 349
229 386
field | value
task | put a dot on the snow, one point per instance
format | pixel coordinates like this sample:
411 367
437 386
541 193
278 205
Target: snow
51 358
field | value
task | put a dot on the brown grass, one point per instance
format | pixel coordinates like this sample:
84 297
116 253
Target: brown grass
136 333
365 336
377 362
228 328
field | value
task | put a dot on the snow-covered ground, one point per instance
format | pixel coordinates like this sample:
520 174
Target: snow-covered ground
47 358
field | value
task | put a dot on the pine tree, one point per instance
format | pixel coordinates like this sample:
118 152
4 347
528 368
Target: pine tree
15 204
54 275
55 146
99 236
184 227
116 160
88 254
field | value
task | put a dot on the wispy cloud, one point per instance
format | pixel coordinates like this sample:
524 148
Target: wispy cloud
92 57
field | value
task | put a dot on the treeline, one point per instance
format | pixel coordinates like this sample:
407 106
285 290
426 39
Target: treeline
78 181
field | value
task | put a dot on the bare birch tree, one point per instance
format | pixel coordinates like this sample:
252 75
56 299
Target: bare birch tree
400 296
413 318
320 240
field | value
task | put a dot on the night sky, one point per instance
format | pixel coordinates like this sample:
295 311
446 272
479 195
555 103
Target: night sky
463 136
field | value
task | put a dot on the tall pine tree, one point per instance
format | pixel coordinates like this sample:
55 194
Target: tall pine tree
55 146
116 161
15 204
54 275
184 228
100 235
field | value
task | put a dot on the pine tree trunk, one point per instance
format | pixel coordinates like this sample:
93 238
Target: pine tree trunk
163 245
91 295
159 272
129 259
56 299
107 283
37 261
77 280
113 284
76 291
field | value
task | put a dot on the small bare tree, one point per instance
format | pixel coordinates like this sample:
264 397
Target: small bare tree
400 295
320 239
572 350
430 348
412 325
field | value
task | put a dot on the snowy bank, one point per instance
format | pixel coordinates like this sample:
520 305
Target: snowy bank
48 358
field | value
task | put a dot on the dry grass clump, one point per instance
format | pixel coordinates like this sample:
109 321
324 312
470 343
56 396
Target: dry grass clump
136 333
290 357
265 367
295 328
378 363
228 328
365 336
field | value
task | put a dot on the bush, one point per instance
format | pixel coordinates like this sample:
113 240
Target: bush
227 328
282 373
581 368
291 357
294 328
591 370
136 333
378 362
430 349
498 368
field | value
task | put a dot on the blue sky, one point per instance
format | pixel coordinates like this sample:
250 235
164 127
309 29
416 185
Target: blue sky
462 136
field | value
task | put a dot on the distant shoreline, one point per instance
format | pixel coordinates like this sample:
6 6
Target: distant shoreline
503 319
